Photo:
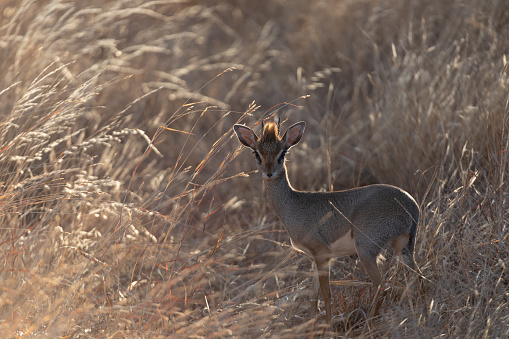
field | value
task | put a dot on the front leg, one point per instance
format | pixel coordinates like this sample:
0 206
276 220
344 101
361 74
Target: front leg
323 280
313 298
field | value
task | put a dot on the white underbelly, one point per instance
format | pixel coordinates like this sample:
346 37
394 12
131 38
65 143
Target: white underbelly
343 246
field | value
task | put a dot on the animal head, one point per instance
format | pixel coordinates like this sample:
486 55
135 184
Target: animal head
270 148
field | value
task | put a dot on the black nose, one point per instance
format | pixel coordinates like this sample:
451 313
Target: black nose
269 174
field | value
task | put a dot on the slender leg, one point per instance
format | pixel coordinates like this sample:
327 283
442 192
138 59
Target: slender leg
368 261
377 301
323 279
398 243
313 298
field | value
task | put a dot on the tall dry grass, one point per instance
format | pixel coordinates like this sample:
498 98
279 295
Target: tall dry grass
128 210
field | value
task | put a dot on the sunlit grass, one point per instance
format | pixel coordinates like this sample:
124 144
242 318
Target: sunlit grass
128 209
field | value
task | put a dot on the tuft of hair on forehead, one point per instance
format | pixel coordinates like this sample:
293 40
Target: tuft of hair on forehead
270 132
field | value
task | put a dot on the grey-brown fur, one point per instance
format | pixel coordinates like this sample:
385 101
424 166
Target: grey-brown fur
362 221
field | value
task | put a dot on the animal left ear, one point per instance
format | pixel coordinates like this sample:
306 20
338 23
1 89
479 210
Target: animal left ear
294 134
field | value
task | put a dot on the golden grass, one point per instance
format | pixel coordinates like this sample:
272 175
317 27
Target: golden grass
127 209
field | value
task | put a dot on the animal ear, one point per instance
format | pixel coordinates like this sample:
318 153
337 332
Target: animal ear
246 136
294 134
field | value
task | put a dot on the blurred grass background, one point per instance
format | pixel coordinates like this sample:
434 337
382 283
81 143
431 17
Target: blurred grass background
128 209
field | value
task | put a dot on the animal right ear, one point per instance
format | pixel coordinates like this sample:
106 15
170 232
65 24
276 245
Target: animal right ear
246 136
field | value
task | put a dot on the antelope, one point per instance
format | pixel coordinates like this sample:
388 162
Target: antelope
326 225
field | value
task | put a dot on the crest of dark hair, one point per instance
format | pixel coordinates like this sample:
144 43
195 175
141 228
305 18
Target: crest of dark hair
270 132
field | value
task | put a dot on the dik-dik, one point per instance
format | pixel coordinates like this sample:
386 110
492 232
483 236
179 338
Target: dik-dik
325 225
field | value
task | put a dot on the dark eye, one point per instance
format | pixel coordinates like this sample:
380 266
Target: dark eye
257 156
282 157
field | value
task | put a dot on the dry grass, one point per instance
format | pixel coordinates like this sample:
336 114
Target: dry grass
125 207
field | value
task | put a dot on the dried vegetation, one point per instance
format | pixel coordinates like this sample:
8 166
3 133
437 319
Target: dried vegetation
128 210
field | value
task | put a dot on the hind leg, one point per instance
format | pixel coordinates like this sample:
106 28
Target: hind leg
367 255
400 247
399 244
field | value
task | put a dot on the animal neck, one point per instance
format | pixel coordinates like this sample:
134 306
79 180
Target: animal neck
279 192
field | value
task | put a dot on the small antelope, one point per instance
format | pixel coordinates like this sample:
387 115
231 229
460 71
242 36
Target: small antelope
326 225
